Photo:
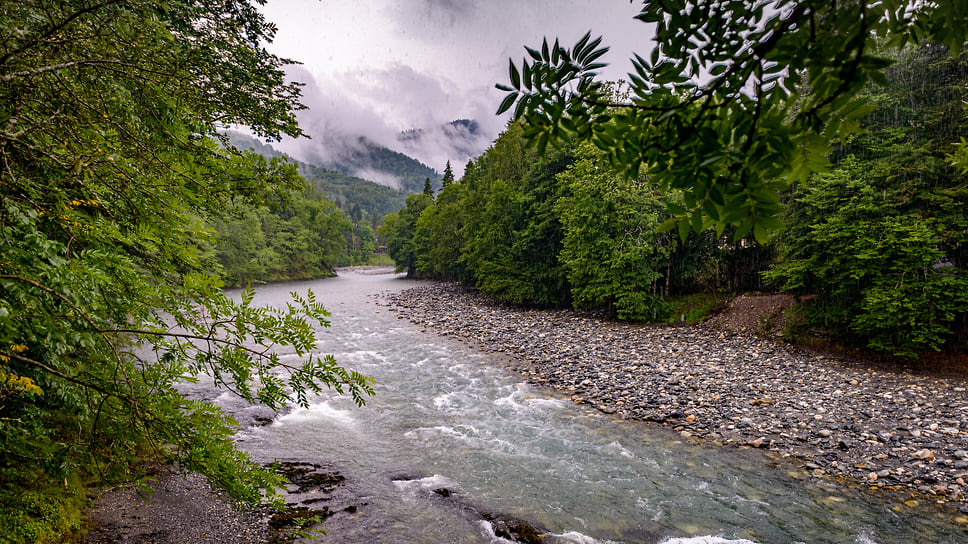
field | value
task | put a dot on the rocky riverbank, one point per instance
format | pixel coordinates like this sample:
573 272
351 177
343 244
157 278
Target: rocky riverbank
884 429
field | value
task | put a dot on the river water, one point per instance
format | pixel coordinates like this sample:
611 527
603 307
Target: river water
447 416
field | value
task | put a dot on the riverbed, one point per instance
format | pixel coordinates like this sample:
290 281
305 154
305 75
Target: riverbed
470 434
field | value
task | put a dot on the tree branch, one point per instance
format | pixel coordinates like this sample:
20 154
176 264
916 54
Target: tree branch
56 28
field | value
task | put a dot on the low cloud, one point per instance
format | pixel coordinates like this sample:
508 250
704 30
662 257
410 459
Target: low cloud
380 105
375 68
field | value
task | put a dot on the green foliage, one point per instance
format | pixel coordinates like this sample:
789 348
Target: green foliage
109 162
611 251
364 156
304 238
347 192
694 308
448 179
881 240
563 230
42 514
736 99
439 236
398 230
881 271
512 234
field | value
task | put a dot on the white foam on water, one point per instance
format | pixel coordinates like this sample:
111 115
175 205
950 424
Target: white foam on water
549 403
467 434
645 505
442 430
617 447
424 486
574 537
447 400
317 412
363 354
509 400
741 498
488 531
705 540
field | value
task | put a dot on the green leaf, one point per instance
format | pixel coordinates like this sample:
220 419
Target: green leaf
668 224
514 74
760 233
507 103
743 229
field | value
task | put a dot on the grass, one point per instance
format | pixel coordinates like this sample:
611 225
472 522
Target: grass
380 259
695 308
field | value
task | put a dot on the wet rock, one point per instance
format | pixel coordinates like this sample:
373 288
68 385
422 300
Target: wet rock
504 526
514 529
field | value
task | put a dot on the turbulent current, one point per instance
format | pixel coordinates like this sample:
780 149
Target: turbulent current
451 439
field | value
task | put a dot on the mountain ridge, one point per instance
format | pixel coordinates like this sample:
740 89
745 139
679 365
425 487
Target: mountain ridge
345 191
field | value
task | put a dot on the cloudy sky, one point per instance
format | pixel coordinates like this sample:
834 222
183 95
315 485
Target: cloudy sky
378 67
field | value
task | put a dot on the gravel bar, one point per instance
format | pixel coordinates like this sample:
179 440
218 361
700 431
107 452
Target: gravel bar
183 508
835 418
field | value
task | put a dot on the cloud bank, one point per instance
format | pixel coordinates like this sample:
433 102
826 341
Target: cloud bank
378 68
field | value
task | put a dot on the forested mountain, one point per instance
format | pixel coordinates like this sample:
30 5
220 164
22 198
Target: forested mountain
461 139
366 156
304 233
373 200
361 159
348 192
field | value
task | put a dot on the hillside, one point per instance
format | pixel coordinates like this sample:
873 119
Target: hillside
369 160
345 191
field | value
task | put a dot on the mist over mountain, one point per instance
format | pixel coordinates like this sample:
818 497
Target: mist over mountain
348 113
347 192
456 142
364 159
354 157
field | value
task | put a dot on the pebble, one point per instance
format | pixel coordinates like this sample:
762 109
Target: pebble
724 386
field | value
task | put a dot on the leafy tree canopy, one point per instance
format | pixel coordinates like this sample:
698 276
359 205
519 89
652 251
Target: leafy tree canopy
109 170
736 99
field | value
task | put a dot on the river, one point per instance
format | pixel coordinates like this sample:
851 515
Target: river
448 417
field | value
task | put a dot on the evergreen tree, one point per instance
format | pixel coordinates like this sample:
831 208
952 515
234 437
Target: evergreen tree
448 178
880 242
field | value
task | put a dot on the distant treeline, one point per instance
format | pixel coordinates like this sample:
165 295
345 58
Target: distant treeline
302 234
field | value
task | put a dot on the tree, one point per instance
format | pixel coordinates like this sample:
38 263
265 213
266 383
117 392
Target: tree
881 241
512 234
611 251
398 230
109 169
448 178
439 236
736 99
